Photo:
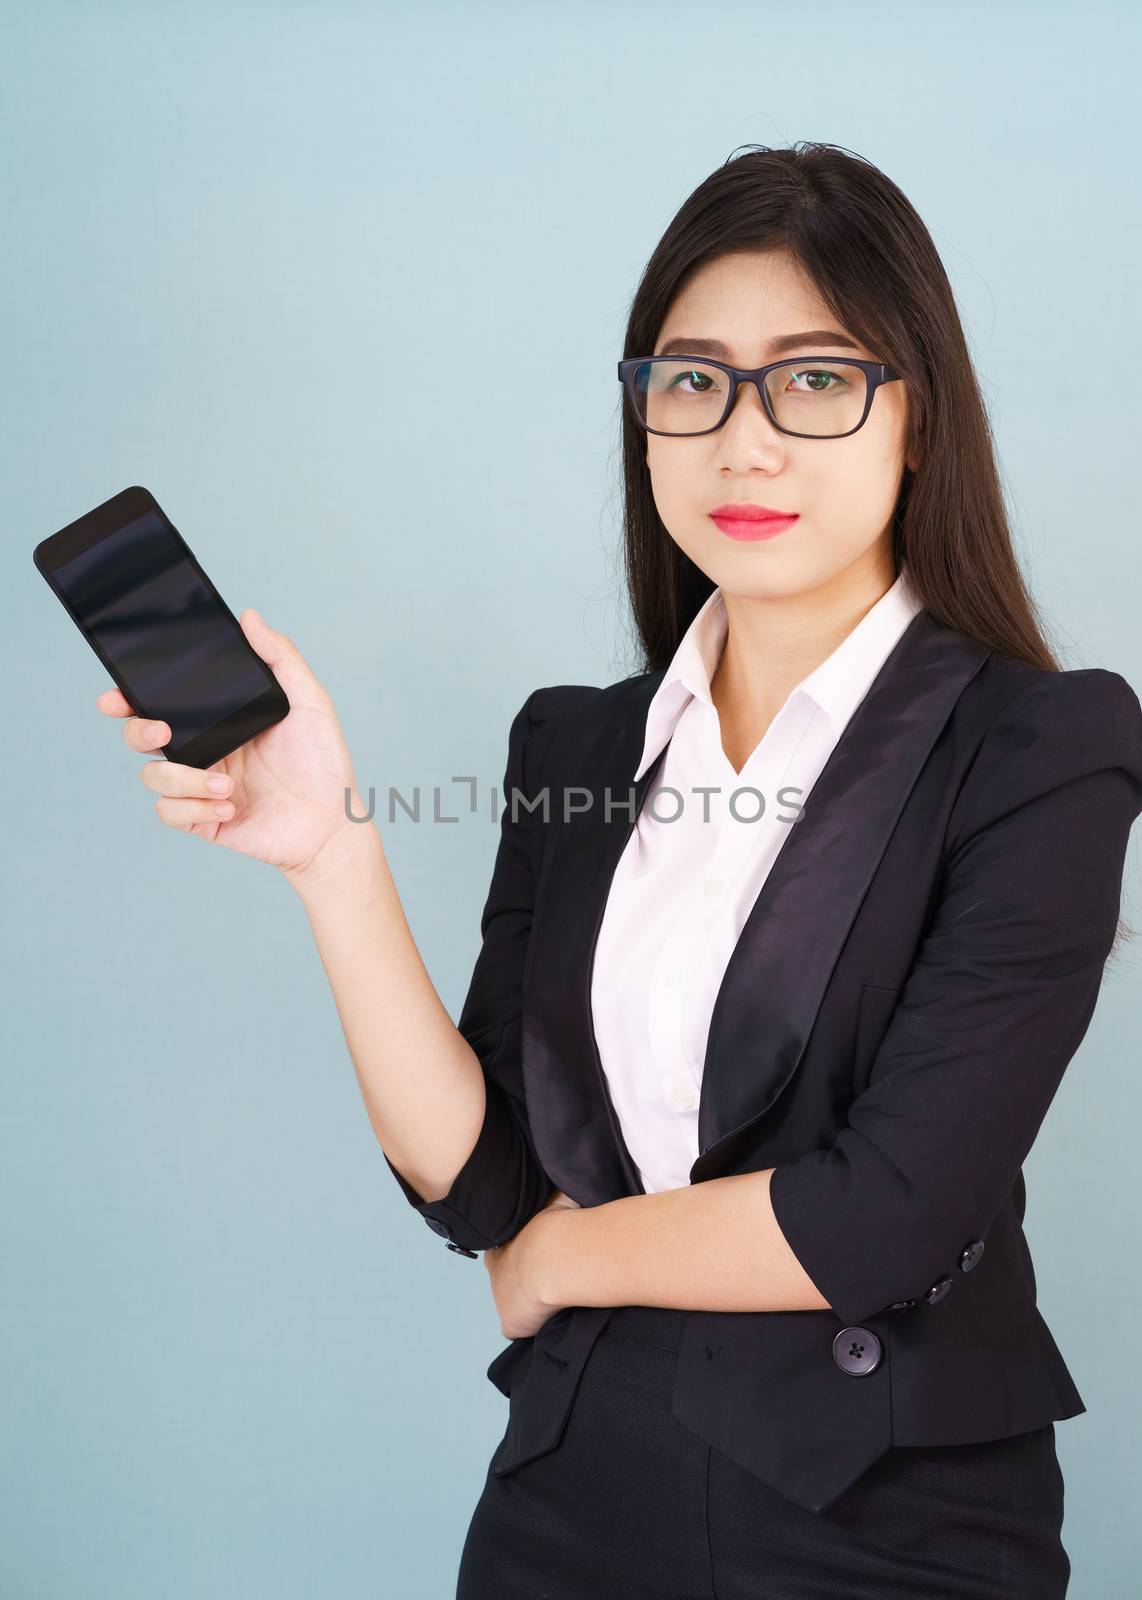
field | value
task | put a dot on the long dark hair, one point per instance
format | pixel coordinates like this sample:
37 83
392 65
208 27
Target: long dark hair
868 253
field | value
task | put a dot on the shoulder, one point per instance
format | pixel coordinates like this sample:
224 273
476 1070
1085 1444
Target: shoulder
560 720
585 702
1004 685
1036 730
1093 708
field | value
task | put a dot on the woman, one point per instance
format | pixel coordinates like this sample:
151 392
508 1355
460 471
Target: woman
776 987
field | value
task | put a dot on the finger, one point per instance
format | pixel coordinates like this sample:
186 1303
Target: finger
172 778
283 658
274 648
139 732
114 703
178 813
142 734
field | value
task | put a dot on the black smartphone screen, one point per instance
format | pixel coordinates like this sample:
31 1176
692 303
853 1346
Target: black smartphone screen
160 626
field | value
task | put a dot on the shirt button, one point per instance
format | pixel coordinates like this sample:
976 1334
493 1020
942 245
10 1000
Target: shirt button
682 1097
713 887
668 979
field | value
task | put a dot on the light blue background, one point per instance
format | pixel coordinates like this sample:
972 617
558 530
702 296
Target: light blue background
286 266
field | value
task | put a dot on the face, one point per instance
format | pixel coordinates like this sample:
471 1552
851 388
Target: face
843 490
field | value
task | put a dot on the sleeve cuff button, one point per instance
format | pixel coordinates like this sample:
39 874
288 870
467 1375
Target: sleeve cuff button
970 1255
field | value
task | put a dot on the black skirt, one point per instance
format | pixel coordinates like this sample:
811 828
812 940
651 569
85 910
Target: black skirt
631 1505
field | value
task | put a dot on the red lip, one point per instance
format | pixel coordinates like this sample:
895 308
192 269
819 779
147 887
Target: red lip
746 511
751 522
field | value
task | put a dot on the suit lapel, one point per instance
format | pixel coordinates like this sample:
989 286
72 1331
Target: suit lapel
780 967
572 1117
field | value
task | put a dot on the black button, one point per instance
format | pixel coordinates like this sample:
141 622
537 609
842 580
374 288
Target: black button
970 1255
903 1305
856 1351
441 1228
460 1250
938 1290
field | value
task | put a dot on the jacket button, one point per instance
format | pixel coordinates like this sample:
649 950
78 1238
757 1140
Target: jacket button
856 1351
938 1290
903 1305
460 1250
441 1228
970 1255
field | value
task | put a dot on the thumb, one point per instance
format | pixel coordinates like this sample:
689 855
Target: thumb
271 645
281 655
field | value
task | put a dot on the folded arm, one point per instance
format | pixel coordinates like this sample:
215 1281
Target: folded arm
997 1002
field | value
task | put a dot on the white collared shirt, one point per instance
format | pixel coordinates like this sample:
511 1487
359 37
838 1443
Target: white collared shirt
683 888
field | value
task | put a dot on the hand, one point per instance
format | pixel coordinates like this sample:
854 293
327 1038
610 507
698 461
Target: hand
285 788
512 1269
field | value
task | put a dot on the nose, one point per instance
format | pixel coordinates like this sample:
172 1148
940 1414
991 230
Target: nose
745 413
755 385
753 403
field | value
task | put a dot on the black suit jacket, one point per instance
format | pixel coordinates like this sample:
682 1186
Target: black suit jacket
918 969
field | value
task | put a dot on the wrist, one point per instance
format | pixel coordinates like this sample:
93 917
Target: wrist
550 1260
345 861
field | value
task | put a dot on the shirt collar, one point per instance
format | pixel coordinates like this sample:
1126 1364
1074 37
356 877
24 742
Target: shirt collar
837 685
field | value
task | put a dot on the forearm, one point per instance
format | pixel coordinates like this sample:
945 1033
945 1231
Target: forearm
712 1246
420 1079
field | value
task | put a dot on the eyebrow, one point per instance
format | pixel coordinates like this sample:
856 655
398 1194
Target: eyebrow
777 346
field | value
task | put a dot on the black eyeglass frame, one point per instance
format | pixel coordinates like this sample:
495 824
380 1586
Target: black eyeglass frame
876 373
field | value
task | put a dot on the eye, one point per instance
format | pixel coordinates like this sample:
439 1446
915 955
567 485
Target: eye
683 377
815 374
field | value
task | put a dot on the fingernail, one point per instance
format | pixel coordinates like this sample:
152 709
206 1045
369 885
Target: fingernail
155 731
218 785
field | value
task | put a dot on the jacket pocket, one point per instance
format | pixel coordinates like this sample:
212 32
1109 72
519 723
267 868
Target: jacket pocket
874 1013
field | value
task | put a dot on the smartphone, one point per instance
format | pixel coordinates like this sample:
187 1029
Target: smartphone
133 588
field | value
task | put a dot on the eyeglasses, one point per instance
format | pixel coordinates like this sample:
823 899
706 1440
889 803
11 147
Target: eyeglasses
814 397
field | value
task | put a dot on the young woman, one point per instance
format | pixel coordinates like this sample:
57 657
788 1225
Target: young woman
790 938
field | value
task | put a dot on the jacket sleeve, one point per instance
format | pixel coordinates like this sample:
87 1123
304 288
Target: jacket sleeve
998 1000
501 1185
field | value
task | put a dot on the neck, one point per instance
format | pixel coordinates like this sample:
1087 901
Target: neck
774 642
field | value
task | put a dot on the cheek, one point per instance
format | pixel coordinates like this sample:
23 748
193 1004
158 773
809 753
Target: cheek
675 474
667 484
857 476
675 502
